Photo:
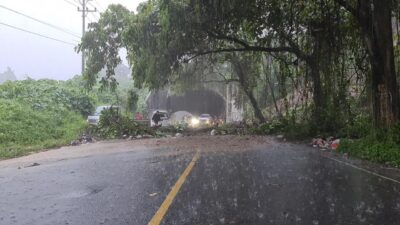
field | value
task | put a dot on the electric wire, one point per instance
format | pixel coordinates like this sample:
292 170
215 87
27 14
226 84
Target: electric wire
37 34
42 22
71 3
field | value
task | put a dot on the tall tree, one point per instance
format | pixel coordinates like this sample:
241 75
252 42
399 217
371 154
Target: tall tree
246 68
375 19
165 34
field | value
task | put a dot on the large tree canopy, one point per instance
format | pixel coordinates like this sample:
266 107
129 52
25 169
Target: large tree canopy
327 39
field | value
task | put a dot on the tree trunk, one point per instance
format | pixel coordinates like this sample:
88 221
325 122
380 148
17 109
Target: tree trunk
273 96
313 63
318 95
244 83
376 24
257 111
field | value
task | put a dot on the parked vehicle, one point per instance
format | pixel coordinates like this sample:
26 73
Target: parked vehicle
202 120
95 118
205 119
193 121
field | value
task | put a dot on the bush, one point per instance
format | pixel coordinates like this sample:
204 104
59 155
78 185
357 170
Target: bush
114 125
272 127
379 146
297 131
228 128
360 127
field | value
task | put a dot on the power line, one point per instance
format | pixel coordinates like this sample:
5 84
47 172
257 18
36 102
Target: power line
91 4
42 22
94 16
85 10
37 34
71 3
98 5
90 19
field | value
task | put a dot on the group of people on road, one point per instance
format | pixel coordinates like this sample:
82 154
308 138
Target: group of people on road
156 118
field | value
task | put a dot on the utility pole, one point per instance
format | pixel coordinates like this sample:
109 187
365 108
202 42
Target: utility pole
85 10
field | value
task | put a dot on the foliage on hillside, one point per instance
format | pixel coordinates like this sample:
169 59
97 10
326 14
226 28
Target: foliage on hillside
40 114
24 129
37 114
49 95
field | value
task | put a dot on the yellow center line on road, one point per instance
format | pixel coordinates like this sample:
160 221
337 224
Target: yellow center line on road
157 218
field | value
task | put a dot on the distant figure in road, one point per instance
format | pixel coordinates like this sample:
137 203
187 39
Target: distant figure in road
139 116
156 118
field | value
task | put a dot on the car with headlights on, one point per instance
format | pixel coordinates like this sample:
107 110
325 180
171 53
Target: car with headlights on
205 119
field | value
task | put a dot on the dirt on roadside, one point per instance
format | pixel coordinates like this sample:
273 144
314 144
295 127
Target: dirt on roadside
204 143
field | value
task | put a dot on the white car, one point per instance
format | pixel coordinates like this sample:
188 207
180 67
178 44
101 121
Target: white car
202 120
205 119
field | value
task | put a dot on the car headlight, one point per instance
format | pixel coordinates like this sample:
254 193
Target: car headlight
195 121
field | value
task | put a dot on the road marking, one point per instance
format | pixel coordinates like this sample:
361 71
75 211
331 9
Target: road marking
157 218
364 170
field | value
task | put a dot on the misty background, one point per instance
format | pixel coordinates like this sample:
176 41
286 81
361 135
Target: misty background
29 55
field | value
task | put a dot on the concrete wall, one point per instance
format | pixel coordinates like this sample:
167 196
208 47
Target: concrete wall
223 105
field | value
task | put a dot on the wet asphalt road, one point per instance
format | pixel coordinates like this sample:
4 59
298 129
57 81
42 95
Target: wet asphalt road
277 184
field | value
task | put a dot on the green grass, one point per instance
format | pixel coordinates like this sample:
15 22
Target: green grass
17 150
24 130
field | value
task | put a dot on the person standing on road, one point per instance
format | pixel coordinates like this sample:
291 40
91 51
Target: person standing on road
156 118
138 116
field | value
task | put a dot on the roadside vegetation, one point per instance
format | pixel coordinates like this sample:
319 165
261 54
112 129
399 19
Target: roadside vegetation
303 68
116 125
379 146
40 114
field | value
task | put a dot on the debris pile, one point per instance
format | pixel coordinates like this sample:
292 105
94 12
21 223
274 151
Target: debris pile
83 139
328 143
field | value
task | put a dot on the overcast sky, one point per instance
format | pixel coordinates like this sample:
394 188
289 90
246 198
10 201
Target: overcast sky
39 57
